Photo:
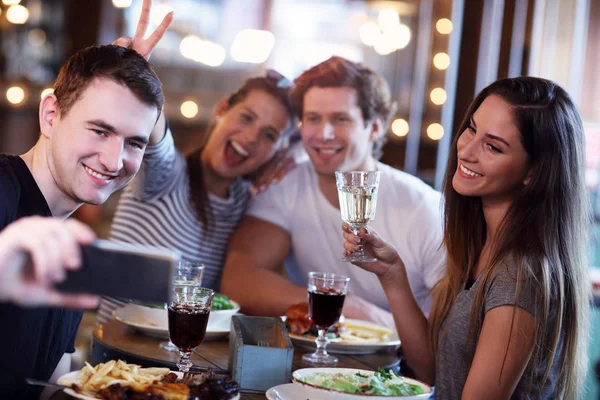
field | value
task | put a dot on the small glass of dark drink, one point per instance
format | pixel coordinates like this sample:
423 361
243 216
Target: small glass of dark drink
326 294
185 271
188 312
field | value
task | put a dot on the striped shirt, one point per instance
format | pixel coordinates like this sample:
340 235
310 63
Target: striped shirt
155 210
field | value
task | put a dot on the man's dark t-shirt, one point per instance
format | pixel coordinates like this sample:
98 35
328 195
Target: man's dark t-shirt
32 340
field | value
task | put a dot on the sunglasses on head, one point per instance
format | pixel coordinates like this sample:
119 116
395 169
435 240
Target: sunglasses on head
279 80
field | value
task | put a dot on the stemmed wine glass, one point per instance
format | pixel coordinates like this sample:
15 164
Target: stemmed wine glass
357 191
186 271
188 312
326 294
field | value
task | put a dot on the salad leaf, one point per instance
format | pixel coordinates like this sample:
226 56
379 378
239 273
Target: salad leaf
221 302
381 383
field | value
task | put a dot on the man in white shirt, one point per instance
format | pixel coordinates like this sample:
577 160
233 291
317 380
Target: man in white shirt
345 109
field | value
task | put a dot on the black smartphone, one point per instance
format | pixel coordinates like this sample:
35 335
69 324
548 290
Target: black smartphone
118 269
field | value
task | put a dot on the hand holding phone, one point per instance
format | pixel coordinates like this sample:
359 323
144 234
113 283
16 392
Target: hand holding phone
36 252
118 269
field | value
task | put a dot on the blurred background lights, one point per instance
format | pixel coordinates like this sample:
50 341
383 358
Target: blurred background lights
400 127
435 131
393 39
189 109
189 46
46 92
441 61
401 34
252 46
15 95
10 2
202 51
17 14
387 35
388 19
369 33
158 12
385 45
211 54
121 3
444 26
438 96
36 37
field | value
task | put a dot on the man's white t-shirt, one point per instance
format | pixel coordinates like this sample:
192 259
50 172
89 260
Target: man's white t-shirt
408 216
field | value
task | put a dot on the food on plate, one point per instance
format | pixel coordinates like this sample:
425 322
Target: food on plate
221 302
105 374
380 383
299 323
297 320
356 332
118 380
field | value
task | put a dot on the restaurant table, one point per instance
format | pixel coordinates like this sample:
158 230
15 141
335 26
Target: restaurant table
115 340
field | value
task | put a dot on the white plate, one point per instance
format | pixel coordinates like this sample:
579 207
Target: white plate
154 321
292 391
315 392
349 347
67 378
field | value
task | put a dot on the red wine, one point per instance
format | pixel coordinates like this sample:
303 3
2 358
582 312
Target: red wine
187 325
325 308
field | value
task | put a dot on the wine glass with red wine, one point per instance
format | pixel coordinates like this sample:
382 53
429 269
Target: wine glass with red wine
185 271
326 294
188 311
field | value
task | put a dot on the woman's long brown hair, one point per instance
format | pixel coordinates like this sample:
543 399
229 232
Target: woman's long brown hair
545 232
273 84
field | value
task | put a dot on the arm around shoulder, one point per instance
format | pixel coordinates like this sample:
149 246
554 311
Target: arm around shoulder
250 275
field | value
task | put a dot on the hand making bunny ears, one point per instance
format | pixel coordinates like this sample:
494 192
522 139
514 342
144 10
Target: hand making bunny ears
145 46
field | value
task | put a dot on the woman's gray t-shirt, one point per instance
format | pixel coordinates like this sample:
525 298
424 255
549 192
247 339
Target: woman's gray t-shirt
454 353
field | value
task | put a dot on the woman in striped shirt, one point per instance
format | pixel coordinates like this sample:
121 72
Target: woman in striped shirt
193 203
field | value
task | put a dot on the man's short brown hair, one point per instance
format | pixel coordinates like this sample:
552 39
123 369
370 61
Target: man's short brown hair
119 64
374 97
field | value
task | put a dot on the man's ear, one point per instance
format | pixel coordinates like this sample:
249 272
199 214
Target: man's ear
376 129
221 107
48 114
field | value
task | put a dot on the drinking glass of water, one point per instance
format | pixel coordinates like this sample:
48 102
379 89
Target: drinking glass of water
191 272
357 191
188 312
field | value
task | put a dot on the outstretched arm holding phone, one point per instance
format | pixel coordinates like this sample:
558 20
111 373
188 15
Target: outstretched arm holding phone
35 253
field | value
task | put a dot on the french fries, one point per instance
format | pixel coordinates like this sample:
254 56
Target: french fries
352 332
105 374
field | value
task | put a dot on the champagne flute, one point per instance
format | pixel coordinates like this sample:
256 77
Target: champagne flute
357 191
326 294
186 271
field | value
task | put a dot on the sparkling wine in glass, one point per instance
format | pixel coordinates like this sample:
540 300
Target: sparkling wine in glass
187 271
326 294
357 191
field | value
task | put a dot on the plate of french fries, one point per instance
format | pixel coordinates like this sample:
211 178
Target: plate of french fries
86 383
354 337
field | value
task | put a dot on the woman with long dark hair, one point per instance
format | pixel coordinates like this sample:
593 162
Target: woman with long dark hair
510 316
193 203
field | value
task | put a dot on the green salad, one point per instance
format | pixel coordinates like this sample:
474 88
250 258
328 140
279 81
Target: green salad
220 302
381 383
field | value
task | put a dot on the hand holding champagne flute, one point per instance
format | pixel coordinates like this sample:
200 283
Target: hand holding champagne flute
357 191
326 294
